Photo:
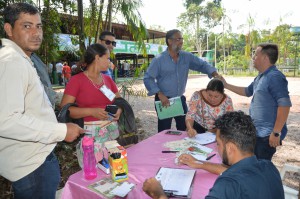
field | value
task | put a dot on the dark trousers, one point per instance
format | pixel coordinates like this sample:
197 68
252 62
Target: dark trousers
180 120
263 150
199 128
60 79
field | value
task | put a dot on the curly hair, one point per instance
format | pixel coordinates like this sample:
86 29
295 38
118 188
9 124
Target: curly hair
238 128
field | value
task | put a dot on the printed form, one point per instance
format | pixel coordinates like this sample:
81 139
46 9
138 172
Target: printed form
176 181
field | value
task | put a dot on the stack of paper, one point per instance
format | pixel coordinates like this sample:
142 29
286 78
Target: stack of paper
176 182
189 146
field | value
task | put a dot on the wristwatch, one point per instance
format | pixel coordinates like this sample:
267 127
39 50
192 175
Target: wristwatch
277 134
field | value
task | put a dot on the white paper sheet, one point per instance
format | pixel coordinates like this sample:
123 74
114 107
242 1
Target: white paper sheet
204 138
178 181
123 189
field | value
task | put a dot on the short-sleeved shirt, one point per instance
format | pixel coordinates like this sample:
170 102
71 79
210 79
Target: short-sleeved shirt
248 179
88 94
59 67
270 91
66 71
204 113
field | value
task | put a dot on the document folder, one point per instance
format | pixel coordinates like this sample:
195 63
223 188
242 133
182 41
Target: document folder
175 108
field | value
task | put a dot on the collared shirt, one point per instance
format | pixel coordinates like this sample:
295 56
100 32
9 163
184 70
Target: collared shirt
248 179
270 91
28 127
170 77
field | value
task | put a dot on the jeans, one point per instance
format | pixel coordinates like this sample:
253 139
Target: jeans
263 150
60 79
41 183
180 120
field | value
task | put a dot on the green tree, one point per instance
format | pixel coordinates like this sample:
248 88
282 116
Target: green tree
107 11
197 21
286 42
190 2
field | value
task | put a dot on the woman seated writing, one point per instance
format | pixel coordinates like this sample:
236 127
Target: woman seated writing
205 107
90 89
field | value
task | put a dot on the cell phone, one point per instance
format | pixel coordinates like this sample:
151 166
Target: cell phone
111 109
173 132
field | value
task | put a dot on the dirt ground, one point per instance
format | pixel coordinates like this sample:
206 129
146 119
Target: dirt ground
288 153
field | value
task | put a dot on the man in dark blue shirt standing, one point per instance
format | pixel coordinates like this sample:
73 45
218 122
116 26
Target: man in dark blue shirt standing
270 104
247 177
167 76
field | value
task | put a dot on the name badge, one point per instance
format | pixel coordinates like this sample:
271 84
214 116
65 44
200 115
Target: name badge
107 92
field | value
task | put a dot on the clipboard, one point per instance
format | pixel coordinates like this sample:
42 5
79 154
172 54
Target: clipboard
176 182
175 108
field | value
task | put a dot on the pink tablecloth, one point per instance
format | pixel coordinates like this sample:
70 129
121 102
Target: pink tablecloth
144 160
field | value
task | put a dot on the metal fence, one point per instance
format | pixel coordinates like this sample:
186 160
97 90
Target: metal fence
287 71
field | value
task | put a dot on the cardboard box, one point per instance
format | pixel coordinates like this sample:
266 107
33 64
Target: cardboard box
118 164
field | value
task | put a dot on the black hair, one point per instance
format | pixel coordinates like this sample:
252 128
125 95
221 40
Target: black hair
215 85
271 50
169 35
92 51
12 12
238 128
104 33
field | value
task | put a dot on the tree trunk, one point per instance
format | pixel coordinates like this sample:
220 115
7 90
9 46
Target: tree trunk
109 9
99 21
81 27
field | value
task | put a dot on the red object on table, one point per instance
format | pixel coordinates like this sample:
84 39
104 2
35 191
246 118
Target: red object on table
144 160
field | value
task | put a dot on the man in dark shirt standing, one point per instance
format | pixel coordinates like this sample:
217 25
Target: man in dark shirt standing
270 104
247 177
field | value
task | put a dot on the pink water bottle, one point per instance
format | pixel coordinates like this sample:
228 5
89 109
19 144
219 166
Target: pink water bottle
89 160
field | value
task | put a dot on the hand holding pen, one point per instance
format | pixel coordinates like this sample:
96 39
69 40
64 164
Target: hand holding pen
190 161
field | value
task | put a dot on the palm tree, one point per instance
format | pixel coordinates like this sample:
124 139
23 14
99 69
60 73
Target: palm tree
105 14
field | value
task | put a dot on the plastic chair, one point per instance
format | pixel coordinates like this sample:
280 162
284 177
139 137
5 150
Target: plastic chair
289 193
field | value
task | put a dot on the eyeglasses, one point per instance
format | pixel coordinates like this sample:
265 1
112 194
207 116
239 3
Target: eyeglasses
177 39
108 42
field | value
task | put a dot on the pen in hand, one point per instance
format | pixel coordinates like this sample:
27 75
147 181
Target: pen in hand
170 193
210 157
